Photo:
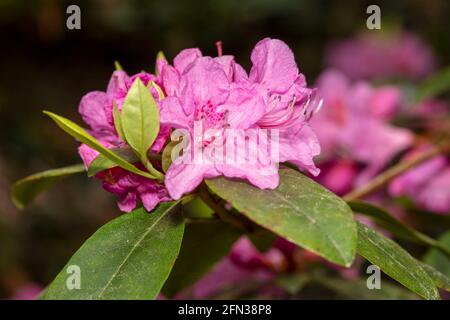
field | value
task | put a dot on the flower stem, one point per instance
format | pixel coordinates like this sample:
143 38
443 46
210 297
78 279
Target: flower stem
223 214
386 176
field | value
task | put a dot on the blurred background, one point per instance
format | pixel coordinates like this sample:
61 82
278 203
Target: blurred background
43 65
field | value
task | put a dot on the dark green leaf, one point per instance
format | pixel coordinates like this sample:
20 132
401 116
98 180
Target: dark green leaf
438 260
387 221
197 209
395 262
128 258
204 244
300 210
357 289
440 280
81 135
26 189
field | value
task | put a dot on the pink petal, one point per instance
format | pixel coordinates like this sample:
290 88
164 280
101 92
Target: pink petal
92 110
170 80
204 82
273 65
185 58
128 202
87 154
300 148
172 114
117 84
183 178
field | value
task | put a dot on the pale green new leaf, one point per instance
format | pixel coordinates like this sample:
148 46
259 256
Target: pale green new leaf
101 163
140 119
81 135
118 122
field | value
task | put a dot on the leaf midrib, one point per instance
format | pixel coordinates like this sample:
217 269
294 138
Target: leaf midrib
313 223
399 263
114 275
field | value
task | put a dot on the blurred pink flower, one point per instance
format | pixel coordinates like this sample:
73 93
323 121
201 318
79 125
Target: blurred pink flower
338 175
245 265
218 94
427 184
30 291
96 109
245 255
374 56
352 126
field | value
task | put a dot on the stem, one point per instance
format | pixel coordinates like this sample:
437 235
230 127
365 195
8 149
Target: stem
386 176
148 165
223 214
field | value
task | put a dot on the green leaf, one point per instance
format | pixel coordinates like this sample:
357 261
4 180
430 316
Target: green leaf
440 280
128 258
395 262
439 83
101 163
167 155
293 283
438 260
357 289
388 222
197 209
81 135
300 210
26 189
140 119
204 244
118 122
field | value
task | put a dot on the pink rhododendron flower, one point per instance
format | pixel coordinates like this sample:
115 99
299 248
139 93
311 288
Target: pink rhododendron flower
371 56
353 123
218 95
96 109
427 184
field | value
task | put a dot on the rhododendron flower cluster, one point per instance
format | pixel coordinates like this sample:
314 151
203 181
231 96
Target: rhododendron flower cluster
216 95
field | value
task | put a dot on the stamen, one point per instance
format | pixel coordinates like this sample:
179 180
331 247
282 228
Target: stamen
219 48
